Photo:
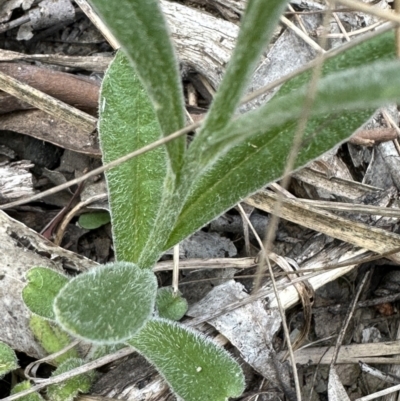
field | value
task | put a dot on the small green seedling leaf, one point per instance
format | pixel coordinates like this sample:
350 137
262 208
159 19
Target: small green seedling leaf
26 385
51 338
69 389
94 220
108 304
169 305
43 286
8 359
195 368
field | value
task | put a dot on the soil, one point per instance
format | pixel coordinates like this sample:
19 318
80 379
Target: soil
54 155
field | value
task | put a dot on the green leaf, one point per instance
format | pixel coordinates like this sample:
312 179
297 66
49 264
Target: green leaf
141 29
256 28
26 385
252 150
108 304
195 368
69 389
93 220
51 338
8 359
169 305
138 188
43 286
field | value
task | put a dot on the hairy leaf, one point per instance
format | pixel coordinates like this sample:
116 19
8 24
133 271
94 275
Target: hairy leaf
26 385
195 368
252 150
43 286
51 338
8 359
69 389
141 29
108 304
94 220
169 305
138 188
256 28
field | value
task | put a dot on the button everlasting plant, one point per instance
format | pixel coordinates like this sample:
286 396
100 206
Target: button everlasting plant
160 197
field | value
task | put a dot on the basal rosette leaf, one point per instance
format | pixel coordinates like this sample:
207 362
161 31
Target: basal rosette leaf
141 29
108 304
252 150
69 389
26 385
139 188
195 368
8 359
43 286
51 337
170 305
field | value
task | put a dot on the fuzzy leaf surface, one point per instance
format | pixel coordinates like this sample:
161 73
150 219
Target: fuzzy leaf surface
252 150
195 368
136 188
26 385
256 28
108 304
43 286
93 220
169 305
141 29
51 338
69 389
8 359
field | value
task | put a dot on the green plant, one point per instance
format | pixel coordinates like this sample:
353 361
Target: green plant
164 195
8 359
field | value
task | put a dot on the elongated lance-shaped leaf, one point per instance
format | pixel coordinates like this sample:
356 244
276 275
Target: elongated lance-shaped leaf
43 286
260 157
138 188
195 368
379 48
140 28
256 29
108 304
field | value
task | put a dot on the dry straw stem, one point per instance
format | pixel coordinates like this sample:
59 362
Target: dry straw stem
359 6
382 353
358 234
47 103
280 307
349 315
72 373
98 23
192 127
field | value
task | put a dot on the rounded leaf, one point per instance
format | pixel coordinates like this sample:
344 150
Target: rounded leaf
94 220
108 304
43 286
26 385
169 305
69 389
195 368
8 359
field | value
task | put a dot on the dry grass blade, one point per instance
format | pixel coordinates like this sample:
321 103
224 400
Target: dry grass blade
365 8
358 234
